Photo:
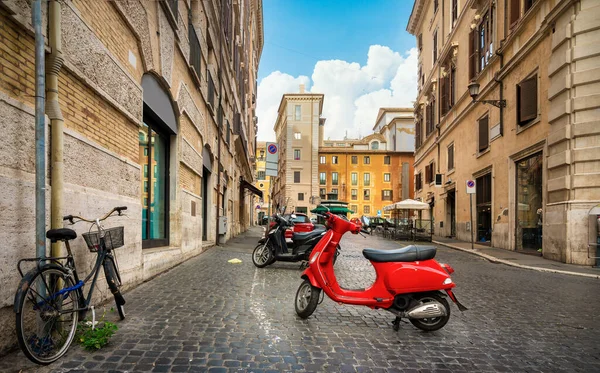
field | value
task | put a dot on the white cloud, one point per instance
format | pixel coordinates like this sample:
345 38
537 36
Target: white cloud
353 93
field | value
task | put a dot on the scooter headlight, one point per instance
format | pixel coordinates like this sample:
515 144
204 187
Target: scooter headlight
447 281
313 258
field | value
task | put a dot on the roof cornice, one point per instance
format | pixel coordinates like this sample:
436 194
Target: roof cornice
415 16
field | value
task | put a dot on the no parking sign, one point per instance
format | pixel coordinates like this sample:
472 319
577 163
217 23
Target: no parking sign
470 186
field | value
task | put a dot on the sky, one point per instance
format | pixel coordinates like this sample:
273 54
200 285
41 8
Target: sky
357 53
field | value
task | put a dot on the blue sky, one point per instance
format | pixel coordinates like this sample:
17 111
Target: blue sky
357 53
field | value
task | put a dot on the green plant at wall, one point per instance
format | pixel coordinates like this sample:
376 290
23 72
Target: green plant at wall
94 337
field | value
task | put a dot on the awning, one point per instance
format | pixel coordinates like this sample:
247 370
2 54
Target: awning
251 188
332 209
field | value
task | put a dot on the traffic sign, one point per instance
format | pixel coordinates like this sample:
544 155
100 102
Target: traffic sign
470 186
272 148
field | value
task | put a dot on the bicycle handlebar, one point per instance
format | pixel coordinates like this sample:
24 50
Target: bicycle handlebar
72 217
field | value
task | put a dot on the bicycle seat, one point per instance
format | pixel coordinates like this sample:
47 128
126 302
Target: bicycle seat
410 253
61 234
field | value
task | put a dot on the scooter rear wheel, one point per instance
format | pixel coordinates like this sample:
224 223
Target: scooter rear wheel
262 256
433 323
307 299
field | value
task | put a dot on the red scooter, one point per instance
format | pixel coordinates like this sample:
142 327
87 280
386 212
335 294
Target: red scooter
409 282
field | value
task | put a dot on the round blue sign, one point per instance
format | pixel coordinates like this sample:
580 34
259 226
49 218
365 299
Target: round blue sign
470 183
272 149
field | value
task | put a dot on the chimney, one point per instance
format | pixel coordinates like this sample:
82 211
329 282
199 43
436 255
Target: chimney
301 88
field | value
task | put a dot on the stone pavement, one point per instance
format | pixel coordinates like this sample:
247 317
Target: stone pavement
517 259
210 315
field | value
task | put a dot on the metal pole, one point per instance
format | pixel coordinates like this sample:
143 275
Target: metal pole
40 132
471 214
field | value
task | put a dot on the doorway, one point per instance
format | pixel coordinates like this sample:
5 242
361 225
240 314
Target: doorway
529 203
451 211
484 209
205 202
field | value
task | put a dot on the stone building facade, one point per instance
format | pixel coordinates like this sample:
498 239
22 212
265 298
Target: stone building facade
158 100
298 129
535 160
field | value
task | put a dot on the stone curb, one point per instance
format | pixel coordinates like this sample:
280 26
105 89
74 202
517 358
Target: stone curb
493 259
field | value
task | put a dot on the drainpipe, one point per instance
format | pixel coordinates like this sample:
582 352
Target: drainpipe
220 108
55 61
40 133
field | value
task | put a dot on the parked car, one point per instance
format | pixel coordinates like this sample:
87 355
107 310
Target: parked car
370 223
301 222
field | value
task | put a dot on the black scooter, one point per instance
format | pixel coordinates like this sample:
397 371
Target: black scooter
273 246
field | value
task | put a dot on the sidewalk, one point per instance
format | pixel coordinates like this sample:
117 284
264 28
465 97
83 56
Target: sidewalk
516 259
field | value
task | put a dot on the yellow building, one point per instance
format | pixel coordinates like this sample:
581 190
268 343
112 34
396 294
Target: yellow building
532 148
263 183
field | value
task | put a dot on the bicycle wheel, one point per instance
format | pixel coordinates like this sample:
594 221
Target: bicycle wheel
114 284
46 314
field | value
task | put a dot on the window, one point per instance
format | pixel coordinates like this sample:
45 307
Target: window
261 157
297 135
296 176
300 196
375 145
367 160
354 208
418 125
435 46
527 100
429 173
451 157
195 53
454 12
447 88
435 6
322 178
386 195
481 44
354 178
155 212
322 192
354 159
335 192
334 159
302 210
429 118
322 159
354 194
484 135
418 181
261 175
366 179
296 154
367 209
386 177
146 186
386 159
297 112
420 42
334 178
366 195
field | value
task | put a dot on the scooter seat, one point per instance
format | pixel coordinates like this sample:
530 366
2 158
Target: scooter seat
303 236
410 253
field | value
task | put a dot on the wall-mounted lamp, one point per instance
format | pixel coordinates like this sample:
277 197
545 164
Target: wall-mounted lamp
474 92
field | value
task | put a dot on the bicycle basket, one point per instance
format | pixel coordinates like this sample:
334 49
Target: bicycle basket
113 238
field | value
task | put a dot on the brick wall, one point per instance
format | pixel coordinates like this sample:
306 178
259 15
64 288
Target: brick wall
188 179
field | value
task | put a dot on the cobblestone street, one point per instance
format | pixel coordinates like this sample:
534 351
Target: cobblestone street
210 315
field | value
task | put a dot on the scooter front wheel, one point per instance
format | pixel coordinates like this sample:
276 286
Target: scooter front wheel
262 256
307 299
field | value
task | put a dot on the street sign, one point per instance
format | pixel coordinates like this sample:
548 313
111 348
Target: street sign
272 159
378 212
470 186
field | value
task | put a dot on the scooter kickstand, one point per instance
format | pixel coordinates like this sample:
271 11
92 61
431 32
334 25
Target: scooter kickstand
396 323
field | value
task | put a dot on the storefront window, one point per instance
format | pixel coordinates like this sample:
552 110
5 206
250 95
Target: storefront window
529 203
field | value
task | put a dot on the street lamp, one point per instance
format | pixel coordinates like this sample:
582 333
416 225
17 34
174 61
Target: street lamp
474 92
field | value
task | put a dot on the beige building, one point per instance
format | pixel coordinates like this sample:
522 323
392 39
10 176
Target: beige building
297 130
153 102
533 150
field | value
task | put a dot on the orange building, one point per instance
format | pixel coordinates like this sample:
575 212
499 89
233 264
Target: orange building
365 174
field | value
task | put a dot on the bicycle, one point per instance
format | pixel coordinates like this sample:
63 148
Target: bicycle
50 299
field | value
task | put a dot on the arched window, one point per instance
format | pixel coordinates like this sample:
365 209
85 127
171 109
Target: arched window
375 145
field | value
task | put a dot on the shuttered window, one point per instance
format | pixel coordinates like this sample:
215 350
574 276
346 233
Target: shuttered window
443 96
515 11
435 46
454 11
418 181
420 41
386 195
472 54
418 133
428 120
483 133
527 100
451 157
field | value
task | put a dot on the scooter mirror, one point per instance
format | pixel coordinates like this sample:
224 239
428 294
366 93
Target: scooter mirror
293 216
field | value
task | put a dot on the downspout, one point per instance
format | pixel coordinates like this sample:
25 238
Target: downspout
55 61
220 108
40 132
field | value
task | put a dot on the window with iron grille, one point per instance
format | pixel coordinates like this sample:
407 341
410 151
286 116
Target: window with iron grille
527 100
334 178
296 176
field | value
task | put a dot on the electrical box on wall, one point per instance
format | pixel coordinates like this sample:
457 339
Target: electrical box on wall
222 224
